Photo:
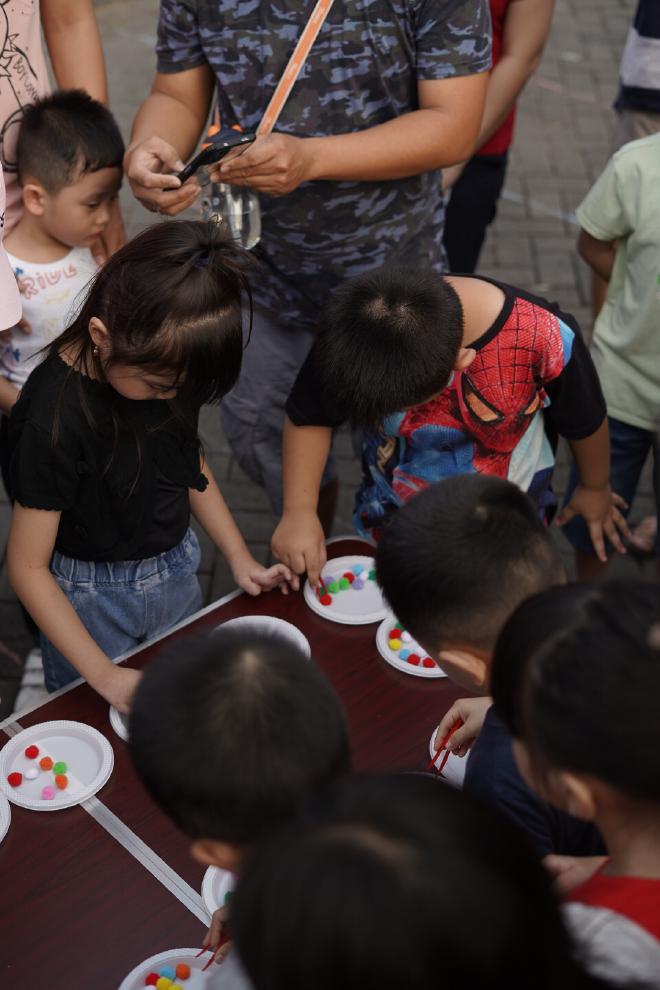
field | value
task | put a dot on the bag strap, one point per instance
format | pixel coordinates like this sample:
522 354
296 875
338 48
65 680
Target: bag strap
294 66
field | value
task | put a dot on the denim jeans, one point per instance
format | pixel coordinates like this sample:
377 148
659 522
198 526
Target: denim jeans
123 603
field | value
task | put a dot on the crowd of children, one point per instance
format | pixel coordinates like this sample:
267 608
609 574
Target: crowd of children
545 871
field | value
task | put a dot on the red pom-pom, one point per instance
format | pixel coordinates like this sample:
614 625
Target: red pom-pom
15 779
350 577
151 980
325 600
32 752
414 659
427 662
395 633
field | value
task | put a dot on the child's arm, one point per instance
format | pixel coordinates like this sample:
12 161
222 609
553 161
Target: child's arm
599 255
29 550
298 539
471 712
593 498
8 395
212 512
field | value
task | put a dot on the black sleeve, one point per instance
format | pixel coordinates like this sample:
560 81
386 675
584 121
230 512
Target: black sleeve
42 474
305 405
577 406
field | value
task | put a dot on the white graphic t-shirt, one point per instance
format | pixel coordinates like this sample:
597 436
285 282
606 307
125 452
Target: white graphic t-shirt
50 294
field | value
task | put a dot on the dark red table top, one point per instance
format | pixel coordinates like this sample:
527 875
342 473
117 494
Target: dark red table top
78 909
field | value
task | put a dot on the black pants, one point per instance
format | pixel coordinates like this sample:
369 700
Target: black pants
472 207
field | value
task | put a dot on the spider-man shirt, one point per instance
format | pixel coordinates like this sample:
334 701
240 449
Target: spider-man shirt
531 380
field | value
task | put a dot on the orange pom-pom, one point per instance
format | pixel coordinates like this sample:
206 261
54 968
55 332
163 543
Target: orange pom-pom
61 781
182 971
46 763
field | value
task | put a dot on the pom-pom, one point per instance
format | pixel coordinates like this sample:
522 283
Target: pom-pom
151 980
395 644
414 659
357 569
325 600
406 637
168 972
176 986
395 633
349 576
183 969
60 767
404 654
15 779
372 575
332 587
358 584
32 752
344 583
62 781
46 763
163 983
31 773
428 662
48 793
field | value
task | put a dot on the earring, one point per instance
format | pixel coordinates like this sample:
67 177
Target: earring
95 350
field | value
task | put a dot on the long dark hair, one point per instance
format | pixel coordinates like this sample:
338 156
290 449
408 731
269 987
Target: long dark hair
576 677
402 882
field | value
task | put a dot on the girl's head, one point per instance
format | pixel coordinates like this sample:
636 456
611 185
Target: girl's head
576 678
401 882
163 315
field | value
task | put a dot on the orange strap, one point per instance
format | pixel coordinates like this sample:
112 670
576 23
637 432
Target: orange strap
293 69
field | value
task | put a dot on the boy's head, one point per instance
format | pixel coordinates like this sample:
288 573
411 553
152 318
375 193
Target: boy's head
69 159
232 735
388 340
457 560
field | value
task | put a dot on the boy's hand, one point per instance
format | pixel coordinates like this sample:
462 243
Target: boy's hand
213 937
600 510
254 578
298 542
471 712
118 686
568 872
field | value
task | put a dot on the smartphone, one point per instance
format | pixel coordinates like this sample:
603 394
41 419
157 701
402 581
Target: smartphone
221 144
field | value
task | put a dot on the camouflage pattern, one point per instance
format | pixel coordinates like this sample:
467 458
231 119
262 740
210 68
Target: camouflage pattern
362 71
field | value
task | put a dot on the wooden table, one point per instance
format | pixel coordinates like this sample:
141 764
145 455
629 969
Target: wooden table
86 893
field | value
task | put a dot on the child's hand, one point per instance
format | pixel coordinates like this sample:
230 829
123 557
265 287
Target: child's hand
568 872
117 686
214 937
298 541
471 712
600 510
254 578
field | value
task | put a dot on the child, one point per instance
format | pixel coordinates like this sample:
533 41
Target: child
69 160
106 462
401 883
576 678
620 218
454 563
448 375
260 732
10 299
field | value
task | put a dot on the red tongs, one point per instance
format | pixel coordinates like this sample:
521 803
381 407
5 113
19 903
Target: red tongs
223 941
442 746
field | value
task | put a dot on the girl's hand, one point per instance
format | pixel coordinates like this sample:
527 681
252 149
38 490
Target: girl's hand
254 578
214 937
118 686
600 509
471 712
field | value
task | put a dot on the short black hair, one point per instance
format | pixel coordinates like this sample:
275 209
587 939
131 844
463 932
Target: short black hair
457 559
387 340
65 135
402 882
233 733
576 677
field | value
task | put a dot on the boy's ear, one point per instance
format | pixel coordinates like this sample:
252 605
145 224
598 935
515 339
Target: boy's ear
578 797
98 332
464 358
467 669
212 852
34 198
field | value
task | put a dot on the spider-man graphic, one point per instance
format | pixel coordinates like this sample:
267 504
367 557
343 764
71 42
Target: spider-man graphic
478 422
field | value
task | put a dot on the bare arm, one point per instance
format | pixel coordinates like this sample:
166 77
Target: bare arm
74 45
8 395
29 550
298 540
599 255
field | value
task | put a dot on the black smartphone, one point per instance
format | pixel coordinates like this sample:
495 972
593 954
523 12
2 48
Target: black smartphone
221 144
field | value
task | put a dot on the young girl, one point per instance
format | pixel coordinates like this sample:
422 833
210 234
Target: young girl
576 678
402 882
106 463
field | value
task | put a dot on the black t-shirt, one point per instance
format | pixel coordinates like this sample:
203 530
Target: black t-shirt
120 481
492 775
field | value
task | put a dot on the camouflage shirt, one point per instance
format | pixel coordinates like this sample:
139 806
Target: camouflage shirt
362 71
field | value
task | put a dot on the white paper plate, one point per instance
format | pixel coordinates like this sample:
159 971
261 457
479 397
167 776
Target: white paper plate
119 723
393 658
455 767
86 752
349 607
5 816
216 885
268 623
196 981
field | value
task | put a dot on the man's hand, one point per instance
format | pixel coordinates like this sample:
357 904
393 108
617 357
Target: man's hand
275 165
600 509
149 166
471 712
298 542
569 872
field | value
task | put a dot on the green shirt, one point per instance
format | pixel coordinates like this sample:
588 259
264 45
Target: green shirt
624 205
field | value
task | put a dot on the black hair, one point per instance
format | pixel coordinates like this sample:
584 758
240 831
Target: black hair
387 340
576 677
401 883
456 560
64 136
233 734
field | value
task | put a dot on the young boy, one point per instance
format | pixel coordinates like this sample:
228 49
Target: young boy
454 563
69 159
253 732
620 241
447 374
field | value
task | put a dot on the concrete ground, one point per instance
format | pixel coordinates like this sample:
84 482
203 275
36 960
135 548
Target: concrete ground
563 138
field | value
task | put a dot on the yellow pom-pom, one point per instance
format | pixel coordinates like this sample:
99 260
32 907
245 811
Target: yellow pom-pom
395 644
163 983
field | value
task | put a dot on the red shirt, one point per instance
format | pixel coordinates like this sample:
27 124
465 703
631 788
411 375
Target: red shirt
633 897
503 136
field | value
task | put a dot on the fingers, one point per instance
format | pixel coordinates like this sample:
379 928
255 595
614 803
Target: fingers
566 513
214 934
619 501
449 720
24 327
251 587
596 534
610 527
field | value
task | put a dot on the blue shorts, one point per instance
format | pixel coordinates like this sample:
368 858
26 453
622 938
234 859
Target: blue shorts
126 602
629 448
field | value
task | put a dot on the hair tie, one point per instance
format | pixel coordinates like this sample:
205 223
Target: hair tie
202 260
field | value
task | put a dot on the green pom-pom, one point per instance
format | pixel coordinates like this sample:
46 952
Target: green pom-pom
372 575
332 587
60 767
344 583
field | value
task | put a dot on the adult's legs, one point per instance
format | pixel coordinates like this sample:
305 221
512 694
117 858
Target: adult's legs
471 208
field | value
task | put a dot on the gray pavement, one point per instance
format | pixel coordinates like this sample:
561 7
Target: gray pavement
563 138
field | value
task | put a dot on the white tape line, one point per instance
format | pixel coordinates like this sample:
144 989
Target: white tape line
145 855
537 207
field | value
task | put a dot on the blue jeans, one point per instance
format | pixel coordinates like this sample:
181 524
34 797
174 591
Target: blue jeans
629 448
123 603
